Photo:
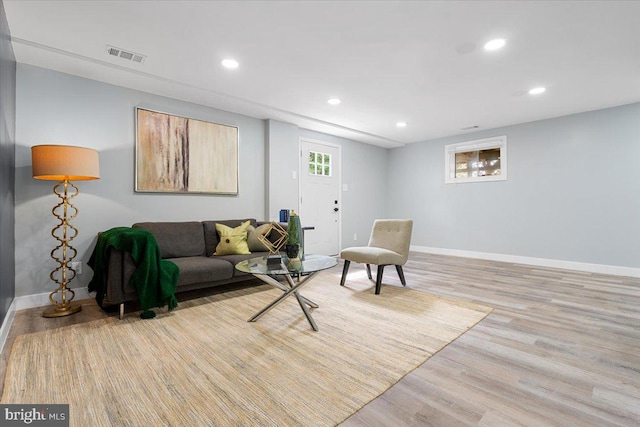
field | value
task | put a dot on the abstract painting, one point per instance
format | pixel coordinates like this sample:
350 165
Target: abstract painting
181 155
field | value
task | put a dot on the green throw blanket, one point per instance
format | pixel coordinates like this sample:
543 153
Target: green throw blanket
154 279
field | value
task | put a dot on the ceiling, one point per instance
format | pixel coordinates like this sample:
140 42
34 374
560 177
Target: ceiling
388 61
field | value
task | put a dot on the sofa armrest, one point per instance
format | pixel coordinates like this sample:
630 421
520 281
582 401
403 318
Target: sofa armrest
120 269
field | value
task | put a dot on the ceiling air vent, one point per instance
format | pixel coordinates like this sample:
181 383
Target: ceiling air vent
125 54
471 127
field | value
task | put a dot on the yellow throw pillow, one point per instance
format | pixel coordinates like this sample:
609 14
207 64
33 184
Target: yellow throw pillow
233 241
255 245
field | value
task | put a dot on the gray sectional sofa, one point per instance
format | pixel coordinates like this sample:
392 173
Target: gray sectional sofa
190 246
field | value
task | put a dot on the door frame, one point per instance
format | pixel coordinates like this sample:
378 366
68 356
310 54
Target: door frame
303 139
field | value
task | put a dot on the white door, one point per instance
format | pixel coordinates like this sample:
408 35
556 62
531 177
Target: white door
320 196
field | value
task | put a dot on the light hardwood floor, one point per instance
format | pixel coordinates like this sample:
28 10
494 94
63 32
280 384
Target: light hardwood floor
561 348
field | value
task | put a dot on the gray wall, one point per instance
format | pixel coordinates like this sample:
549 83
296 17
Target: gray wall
364 171
573 192
282 152
7 165
56 108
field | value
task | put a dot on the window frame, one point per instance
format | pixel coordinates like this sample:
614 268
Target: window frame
450 151
323 164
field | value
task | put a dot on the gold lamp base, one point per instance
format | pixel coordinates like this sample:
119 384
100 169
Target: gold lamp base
62 310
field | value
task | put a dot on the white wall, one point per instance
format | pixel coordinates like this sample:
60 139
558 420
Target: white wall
573 192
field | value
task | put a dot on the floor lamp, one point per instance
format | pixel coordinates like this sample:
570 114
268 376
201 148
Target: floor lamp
64 163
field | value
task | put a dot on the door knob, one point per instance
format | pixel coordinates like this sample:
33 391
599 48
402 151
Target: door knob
336 209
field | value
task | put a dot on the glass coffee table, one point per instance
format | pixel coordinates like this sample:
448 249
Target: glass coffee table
305 270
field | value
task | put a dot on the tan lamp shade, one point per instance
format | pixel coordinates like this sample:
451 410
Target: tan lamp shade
59 162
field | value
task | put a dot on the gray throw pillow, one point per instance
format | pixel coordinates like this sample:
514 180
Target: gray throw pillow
255 245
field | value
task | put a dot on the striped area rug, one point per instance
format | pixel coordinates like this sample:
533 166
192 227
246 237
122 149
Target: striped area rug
205 365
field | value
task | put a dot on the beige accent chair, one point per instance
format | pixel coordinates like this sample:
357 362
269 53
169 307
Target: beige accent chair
388 245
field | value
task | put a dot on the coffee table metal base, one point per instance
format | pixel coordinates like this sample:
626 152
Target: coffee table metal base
292 289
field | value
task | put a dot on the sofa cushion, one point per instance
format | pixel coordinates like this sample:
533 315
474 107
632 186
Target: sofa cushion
255 245
201 269
177 239
211 236
233 241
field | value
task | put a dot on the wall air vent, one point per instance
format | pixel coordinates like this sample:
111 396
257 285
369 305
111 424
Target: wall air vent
125 54
471 127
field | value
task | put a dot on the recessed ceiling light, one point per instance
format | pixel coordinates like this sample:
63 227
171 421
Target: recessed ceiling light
334 101
537 90
495 44
230 63
401 124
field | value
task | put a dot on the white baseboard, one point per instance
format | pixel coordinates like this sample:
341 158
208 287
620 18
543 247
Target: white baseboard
41 300
541 262
6 325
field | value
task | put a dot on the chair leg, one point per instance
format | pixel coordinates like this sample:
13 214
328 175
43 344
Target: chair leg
401 275
345 269
369 271
379 279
